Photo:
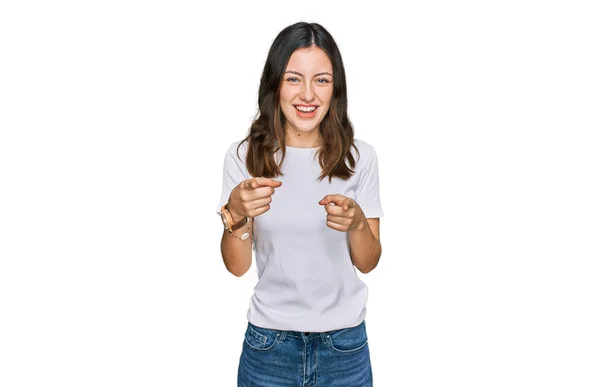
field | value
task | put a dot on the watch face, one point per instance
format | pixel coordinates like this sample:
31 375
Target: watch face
224 220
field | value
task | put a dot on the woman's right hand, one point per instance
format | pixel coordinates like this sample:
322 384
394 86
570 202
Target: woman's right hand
251 197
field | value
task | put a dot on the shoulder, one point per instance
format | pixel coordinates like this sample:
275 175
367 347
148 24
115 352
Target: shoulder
366 150
238 149
362 144
235 159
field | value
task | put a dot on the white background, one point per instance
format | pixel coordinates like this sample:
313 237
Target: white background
115 117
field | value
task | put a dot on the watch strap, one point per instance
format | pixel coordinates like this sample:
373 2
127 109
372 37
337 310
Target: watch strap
231 225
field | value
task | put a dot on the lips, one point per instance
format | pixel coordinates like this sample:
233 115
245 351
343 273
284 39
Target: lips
306 108
306 111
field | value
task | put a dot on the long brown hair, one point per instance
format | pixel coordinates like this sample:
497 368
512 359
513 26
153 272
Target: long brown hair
267 134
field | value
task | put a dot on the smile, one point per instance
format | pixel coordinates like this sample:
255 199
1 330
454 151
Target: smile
306 109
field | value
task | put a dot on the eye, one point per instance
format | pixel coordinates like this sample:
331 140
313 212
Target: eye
323 80
293 79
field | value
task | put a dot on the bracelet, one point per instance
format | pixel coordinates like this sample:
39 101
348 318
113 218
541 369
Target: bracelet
244 235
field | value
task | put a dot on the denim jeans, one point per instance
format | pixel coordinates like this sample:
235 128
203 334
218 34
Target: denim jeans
274 358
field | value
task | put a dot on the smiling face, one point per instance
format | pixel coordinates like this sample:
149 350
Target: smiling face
306 91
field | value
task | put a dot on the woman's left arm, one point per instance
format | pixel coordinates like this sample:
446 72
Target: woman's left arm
363 233
365 247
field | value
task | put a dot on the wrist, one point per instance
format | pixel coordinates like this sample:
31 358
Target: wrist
362 225
236 217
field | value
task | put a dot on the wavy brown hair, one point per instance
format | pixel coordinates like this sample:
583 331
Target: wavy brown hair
267 134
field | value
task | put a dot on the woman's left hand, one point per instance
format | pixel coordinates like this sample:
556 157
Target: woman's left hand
346 215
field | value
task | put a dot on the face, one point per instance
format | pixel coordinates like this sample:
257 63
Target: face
306 90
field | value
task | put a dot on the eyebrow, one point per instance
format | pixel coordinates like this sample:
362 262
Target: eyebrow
316 75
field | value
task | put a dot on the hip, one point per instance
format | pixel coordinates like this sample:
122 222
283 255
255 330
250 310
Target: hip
272 357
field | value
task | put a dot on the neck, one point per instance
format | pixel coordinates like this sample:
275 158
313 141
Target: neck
297 139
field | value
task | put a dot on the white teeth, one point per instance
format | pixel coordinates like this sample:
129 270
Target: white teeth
305 108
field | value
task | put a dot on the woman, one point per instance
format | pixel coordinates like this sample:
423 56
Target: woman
304 194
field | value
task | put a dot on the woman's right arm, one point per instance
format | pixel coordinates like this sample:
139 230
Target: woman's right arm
237 253
250 198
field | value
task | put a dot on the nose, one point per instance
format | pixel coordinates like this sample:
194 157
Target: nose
307 94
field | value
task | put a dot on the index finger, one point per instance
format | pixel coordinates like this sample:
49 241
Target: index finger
258 182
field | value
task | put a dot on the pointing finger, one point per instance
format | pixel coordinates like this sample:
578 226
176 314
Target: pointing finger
258 182
334 198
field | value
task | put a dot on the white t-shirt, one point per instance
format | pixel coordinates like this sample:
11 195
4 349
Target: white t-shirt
306 279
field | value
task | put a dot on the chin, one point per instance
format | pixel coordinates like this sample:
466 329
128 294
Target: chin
305 130
305 126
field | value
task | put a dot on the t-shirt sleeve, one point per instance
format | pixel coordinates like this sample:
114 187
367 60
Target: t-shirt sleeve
367 193
234 172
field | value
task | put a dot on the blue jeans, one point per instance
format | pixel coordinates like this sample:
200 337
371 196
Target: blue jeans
274 358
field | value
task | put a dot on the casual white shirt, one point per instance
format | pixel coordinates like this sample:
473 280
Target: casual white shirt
306 279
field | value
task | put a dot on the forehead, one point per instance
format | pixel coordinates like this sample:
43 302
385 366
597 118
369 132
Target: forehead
309 60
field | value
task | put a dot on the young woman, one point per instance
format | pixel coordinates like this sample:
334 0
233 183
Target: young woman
303 193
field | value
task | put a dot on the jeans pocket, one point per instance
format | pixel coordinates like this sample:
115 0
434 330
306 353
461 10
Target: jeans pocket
261 339
348 340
